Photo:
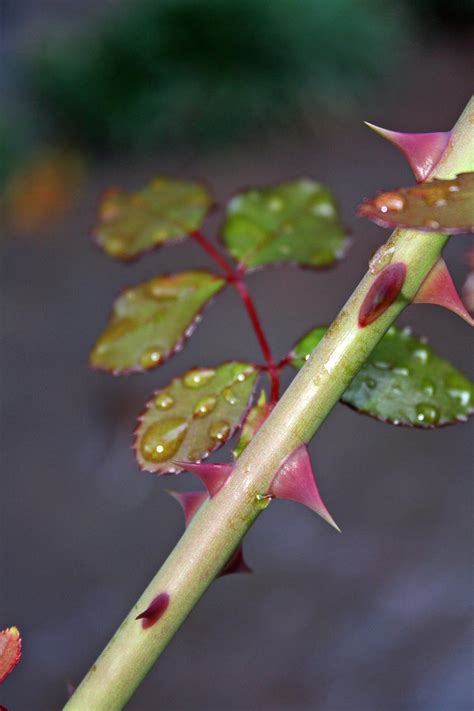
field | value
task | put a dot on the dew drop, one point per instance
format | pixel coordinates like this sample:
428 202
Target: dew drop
427 414
205 406
219 431
163 401
427 386
198 377
370 382
163 439
116 246
323 209
229 396
389 202
150 357
431 224
441 202
381 258
401 370
382 365
275 204
421 354
263 500
464 396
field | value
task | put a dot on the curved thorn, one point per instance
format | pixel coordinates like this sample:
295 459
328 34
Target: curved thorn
212 475
295 481
236 564
422 150
190 502
438 288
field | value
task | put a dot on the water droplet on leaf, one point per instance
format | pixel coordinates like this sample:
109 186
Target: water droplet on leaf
219 431
163 401
198 377
421 354
205 406
389 202
150 357
427 414
163 439
229 396
427 386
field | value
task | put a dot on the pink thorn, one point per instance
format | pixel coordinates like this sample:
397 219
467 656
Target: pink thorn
438 288
235 564
295 481
213 476
154 611
422 150
190 502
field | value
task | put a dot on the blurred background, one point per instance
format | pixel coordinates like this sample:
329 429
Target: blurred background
237 93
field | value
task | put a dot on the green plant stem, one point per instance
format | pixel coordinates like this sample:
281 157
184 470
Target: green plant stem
221 523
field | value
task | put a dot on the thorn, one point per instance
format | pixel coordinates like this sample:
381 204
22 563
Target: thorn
295 481
212 475
383 292
190 502
154 611
235 564
438 288
422 150
70 689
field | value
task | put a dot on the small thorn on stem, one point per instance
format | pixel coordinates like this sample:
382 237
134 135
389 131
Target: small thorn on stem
154 611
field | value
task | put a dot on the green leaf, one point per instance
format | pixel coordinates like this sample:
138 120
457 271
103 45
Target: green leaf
403 382
256 416
193 416
133 223
296 221
152 320
435 206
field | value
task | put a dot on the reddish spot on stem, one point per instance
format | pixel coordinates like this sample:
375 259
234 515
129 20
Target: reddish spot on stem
382 293
154 611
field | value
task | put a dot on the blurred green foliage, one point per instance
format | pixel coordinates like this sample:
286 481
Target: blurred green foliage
208 70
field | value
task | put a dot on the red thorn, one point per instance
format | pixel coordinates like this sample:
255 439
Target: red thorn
438 288
235 564
295 481
212 475
154 611
382 293
422 150
190 502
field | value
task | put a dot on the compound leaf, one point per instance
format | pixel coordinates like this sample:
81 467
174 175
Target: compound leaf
152 320
165 210
403 382
296 221
435 206
194 415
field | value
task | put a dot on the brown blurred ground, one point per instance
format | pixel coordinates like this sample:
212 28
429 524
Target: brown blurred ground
377 618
